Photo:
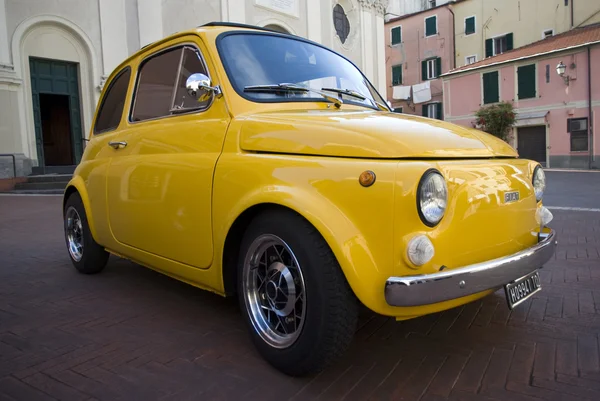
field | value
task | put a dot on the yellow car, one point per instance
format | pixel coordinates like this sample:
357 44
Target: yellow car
259 164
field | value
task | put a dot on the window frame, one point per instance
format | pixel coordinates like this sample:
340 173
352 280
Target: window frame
535 81
102 101
401 108
481 77
173 112
436 26
392 35
547 30
467 59
401 74
474 25
586 131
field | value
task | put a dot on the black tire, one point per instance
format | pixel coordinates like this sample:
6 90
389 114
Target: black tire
331 308
93 257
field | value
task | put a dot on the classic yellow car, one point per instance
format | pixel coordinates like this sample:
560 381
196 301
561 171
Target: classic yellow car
259 164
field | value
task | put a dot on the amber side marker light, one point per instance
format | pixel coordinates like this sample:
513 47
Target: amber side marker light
367 178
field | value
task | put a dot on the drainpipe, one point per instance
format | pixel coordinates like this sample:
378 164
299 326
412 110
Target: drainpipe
453 37
572 17
590 121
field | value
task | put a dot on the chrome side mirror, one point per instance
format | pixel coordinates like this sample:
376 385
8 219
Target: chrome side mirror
197 83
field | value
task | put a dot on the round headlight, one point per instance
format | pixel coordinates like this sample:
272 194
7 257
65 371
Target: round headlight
432 197
539 183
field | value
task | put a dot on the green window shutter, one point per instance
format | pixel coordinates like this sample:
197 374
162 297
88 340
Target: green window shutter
424 110
509 41
396 35
489 47
470 25
438 111
431 26
424 70
397 75
526 81
491 94
438 66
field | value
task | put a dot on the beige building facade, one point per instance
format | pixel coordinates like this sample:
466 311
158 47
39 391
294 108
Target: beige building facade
484 28
55 57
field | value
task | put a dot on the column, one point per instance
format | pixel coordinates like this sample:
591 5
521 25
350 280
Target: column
4 45
233 11
313 20
150 21
113 28
381 83
367 41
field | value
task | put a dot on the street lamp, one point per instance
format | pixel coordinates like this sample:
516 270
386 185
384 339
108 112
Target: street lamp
561 68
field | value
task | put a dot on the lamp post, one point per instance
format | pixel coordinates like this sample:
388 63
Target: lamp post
561 68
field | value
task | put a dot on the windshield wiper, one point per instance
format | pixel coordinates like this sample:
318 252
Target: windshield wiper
347 92
292 88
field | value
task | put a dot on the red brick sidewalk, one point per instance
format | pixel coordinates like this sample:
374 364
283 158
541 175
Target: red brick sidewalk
132 334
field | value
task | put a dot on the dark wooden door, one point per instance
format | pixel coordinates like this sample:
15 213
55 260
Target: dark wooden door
56 77
531 143
56 130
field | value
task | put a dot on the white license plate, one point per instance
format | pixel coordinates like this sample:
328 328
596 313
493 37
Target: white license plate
521 289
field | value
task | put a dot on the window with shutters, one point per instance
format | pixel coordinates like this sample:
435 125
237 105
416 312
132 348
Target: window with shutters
396 35
491 91
432 110
578 129
526 81
431 68
397 75
498 45
431 26
470 25
398 110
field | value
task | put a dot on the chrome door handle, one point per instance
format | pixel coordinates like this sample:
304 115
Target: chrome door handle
117 144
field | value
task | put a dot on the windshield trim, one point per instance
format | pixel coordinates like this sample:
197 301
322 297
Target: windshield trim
240 91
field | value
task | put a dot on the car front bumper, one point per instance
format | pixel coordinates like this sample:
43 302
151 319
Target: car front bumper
460 282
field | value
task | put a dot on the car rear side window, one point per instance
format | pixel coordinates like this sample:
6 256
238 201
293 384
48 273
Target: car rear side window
154 92
111 109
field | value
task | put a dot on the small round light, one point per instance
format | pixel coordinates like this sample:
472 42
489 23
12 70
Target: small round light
543 216
367 178
420 250
539 183
432 197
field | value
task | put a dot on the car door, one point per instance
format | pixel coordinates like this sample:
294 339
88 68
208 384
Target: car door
159 181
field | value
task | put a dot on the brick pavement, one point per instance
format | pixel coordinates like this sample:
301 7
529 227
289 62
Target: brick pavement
133 334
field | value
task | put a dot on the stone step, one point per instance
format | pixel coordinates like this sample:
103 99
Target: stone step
34 192
59 185
50 178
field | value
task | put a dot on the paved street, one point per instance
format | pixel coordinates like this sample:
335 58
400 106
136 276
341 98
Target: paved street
133 334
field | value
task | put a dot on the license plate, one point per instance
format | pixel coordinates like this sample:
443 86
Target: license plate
521 289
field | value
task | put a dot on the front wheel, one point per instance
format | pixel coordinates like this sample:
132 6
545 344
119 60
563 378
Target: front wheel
296 301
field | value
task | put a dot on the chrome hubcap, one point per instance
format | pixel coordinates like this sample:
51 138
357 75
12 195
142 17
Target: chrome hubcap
274 291
74 232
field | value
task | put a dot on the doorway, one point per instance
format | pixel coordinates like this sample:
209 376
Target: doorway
531 143
56 129
56 112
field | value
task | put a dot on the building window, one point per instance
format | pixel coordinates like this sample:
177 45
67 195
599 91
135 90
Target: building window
432 3
432 110
547 33
526 81
470 25
578 128
471 59
398 110
341 23
498 45
491 91
397 75
431 25
431 68
396 35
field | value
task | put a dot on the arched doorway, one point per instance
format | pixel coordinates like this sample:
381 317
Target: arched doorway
278 28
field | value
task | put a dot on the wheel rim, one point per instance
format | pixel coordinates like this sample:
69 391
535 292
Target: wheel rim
74 232
274 291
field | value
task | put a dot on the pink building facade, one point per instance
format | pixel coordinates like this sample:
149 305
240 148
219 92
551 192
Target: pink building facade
557 115
419 48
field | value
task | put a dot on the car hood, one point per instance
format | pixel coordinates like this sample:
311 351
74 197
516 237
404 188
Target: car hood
365 134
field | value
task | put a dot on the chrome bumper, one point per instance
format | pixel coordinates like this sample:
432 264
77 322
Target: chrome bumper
468 280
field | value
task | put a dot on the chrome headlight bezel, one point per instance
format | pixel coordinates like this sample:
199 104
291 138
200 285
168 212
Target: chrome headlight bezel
442 199
538 181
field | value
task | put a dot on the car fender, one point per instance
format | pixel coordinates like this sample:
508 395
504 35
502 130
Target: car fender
76 183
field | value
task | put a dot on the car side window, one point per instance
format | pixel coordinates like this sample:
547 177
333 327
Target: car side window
111 108
156 81
191 63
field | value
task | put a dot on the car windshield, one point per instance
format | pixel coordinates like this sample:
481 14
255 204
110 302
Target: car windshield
254 60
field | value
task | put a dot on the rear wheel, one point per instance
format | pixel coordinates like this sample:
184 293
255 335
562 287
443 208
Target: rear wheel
87 255
299 309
